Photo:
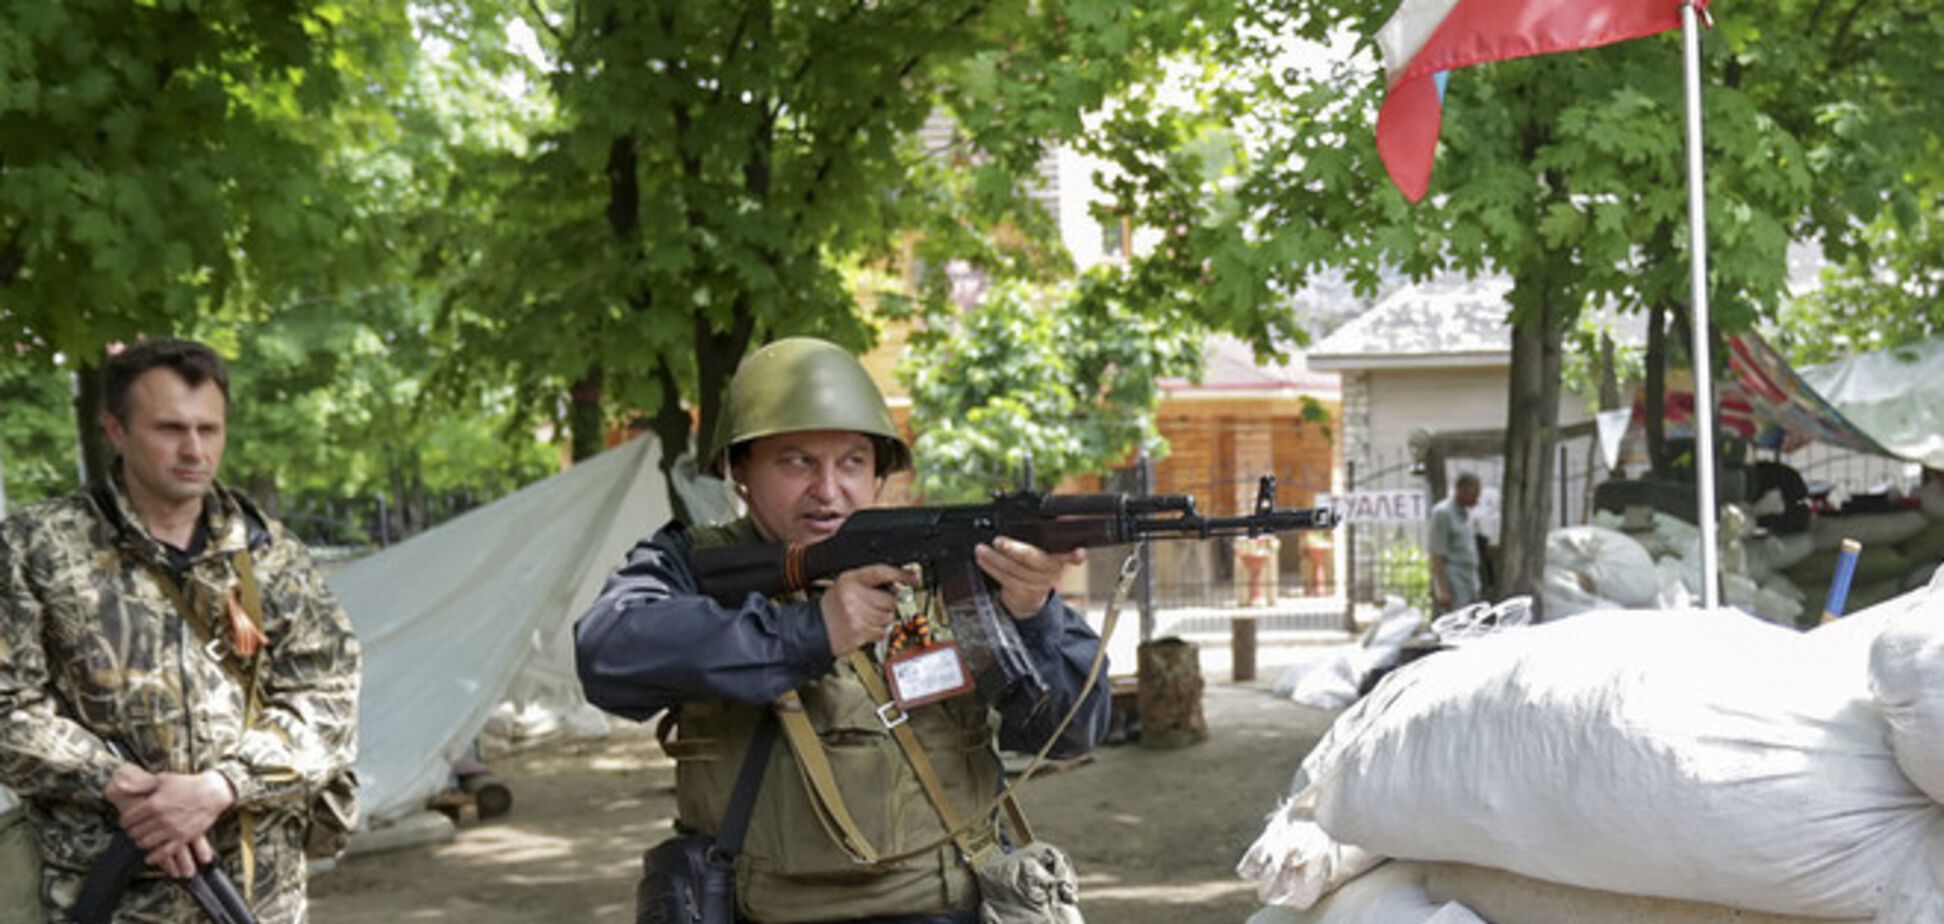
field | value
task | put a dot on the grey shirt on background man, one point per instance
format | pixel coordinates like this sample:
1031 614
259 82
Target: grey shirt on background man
1452 538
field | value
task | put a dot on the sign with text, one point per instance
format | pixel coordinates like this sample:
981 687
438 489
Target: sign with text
1400 506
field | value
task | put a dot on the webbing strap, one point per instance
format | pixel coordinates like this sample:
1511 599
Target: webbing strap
807 741
244 671
814 766
915 755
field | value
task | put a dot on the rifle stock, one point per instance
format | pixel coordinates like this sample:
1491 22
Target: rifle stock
102 889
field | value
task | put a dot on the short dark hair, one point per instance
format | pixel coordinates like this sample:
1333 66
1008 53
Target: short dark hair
1466 478
193 361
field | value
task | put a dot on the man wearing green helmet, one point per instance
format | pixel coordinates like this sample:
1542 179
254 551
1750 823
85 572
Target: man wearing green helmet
807 440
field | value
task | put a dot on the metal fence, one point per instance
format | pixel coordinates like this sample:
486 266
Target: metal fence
1386 559
1287 582
1390 559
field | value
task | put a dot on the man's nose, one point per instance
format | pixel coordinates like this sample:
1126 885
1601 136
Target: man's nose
824 487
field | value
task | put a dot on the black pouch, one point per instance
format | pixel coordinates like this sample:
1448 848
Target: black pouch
686 880
691 878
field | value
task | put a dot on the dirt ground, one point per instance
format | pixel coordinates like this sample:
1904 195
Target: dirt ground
1155 834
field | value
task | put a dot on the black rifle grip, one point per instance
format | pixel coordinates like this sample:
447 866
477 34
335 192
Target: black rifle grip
102 890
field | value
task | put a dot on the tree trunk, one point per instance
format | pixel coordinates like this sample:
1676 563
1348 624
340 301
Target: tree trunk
1657 387
1532 428
585 423
94 450
1609 376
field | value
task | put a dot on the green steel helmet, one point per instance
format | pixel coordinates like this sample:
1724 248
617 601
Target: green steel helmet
799 384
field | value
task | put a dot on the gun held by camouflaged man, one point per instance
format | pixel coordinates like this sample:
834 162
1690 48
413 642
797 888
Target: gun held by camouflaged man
940 540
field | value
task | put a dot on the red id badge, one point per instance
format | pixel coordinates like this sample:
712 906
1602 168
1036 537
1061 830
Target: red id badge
926 674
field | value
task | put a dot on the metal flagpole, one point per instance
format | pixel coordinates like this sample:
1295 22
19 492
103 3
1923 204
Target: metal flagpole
1704 436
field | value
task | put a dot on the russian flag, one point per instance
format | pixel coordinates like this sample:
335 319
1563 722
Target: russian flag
1426 38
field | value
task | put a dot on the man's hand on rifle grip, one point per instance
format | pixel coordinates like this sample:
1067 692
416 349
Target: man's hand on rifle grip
858 608
1026 574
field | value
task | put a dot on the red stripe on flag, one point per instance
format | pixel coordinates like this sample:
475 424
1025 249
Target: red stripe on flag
1407 134
1478 31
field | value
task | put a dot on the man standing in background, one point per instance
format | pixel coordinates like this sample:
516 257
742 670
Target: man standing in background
1454 548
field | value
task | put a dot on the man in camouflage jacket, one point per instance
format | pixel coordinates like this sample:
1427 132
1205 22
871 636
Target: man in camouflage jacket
94 648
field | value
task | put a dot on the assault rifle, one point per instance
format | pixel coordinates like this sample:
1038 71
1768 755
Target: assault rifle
101 891
940 540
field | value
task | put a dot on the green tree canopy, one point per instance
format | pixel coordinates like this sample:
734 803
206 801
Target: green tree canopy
1563 172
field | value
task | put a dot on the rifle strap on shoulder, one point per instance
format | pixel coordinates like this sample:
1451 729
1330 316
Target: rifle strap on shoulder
914 752
243 668
814 766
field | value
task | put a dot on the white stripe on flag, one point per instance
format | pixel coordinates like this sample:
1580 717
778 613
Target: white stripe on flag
1408 29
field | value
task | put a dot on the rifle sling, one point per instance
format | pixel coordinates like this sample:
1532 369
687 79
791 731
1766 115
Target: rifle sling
814 766
915 755
246 673
830 801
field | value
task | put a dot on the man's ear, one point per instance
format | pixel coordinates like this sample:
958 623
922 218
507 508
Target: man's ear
112 426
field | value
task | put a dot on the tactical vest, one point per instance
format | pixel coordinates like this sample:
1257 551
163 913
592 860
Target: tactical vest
790 869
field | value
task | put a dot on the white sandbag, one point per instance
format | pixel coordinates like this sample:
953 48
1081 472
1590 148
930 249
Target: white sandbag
1691 754
1509 898
1907 680
1330 683
1871 529
1785 550
1333 682
1777 606
1564 596
1294 862
1678 589
1609 563
1302 662
1930 499
1390 894
1914 890
1743 593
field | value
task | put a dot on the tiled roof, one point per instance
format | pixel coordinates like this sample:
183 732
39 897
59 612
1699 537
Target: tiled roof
1229 365
1448 321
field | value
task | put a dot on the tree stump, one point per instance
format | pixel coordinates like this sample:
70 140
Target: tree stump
1170 694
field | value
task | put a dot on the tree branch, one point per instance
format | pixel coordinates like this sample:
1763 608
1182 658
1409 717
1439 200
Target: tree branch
803 69
540 17
878 103
1838 43
13 254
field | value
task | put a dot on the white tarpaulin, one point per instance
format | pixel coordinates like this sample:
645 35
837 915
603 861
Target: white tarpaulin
1896 396
480 610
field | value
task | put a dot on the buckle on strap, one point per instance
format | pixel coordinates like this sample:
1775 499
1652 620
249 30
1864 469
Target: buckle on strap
883 715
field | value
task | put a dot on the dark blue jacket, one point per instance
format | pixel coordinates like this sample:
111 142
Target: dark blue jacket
653 639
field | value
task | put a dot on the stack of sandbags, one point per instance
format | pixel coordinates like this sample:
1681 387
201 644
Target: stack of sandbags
1391 894
1688 755
1332 678
1509 898
1595 568
1925 550
1883 570
1753 580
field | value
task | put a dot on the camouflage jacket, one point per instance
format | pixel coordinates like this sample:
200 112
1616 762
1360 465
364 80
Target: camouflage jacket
83 612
